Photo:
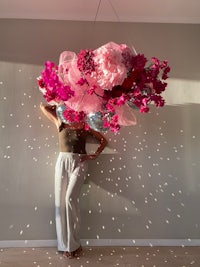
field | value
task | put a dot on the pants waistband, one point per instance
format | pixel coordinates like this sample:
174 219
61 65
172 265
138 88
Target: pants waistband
70 153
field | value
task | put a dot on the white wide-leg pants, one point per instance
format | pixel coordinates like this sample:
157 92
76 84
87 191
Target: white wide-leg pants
69 177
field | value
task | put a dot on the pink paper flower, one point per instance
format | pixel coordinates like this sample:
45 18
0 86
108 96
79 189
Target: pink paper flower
85 62
111 80
91 90
144 109
82 81
73 116
110 69
52 87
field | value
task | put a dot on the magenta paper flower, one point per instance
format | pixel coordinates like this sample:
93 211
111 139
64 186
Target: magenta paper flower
111 81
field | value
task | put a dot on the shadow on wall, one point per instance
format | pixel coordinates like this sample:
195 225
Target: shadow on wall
149 187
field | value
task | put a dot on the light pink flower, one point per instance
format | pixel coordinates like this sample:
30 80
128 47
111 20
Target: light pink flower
110 69
104 80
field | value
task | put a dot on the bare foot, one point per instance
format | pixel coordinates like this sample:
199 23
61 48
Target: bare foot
73 254
78 252
66 254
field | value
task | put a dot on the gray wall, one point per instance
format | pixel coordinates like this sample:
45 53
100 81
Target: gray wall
146 183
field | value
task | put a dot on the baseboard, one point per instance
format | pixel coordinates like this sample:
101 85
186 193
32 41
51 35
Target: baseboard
27 243
104 242
141 242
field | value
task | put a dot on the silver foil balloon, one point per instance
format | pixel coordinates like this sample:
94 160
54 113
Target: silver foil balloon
59 111
94 120
131 104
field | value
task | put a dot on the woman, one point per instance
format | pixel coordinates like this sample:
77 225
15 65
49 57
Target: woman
70 171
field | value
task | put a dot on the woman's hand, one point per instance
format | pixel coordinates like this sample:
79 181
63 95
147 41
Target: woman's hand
50 112
102 143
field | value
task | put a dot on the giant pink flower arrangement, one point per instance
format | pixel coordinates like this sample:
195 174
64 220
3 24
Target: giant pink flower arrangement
104 86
